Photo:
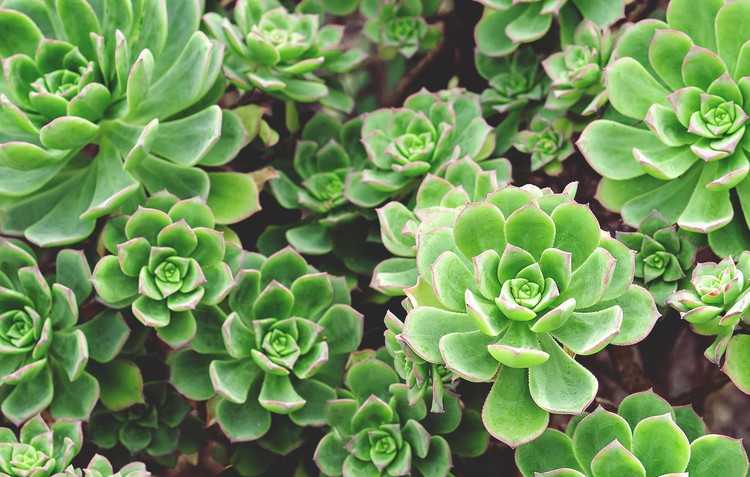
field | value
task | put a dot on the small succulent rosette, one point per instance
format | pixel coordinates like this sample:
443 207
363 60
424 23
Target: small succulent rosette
107 102
47 356
166 259
100 466
399 26
514 81
577 72
717 303
664 256
279 353
548 143
437 203
691 156
511 282
645 437
281 53
405 144
375 431
38 450
506 24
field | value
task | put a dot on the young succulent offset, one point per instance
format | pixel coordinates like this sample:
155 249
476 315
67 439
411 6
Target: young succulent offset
375 430
44 351
506 24
437 203
717 303
506 286
280 351
39 451
664 256
514 80
99 100
405 144
101 467
690 88
548 142
167 258
646 437
399 26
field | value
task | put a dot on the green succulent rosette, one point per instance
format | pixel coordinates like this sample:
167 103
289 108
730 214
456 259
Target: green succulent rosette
547 142
437 203
38 450
47 356
506 24
375 431
399 26
166 259
577 72
646 436
99 98
100 466
680 145
664 256
281 53
717 303
279 353
514 81
405 144
503 289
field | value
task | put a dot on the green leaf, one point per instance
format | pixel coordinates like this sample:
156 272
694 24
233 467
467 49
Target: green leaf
120 382
717 455
73 400
697 20
729 37
550 451
232 378
343 328
631 100
530 229
190 376
587 333
317 395
576 231
187 140
595 432
233 197
424 326
639 406
491 38
71 351
656 437
466 354
68 132
73 271
111 284
737 362
479 227
616 460
608 148
330 454
243 422
29 398
370 376
79 21
19 34
179 331
451 279
590 280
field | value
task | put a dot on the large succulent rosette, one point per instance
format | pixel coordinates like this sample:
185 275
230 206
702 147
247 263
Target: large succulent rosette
38 450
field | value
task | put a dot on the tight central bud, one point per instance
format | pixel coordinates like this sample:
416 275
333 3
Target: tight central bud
415 147
525 293
279 344
17 328
385 445
655 260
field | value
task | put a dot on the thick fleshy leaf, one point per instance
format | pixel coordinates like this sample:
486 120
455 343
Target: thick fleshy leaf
656 437
737 363
616 460
424 326
595 432
631 100
714 454
479 227
550 451
466 354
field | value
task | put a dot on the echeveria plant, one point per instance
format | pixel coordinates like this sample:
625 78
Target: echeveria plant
689 88
38 450
100 100
438 201
100 466
280 351
166 259
548 142
514 80
664 256
405 144
717 303
645 437
399 26
504 288
375 431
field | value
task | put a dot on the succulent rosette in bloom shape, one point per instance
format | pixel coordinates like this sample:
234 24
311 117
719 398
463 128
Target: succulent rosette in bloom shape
507 23
280 52
506 286
375 431
577 72
280 351
100 466
514 80
690 88
437 203
39 451
548 142
99 98
664 256
399 26
405 144
645 437
166 259
717 303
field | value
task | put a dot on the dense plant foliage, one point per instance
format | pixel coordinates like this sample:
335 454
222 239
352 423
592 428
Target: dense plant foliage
369 238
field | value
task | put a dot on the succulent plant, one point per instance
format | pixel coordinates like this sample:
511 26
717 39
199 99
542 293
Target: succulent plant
99 100
664 255
645 437
514 80
375 431
279 52
399 26
101 467
39 451
437 200
166 258
577 72
717 303
280 351
548 142
692 156
507 24
502 289
44 350
405 144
